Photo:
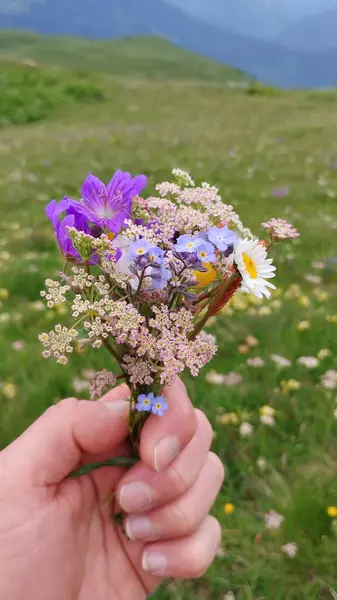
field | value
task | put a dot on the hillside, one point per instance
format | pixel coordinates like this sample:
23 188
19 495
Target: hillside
152 58
313 32
103 19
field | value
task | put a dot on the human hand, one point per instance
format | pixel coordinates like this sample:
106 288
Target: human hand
57 539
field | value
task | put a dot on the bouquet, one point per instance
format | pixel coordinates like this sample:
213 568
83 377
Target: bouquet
142 276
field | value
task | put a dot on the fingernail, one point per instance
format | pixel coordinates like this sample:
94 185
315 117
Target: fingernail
155 562
138 528
165 451
135 497
119 407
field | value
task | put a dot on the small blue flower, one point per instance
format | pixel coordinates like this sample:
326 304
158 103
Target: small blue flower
156 255
188 243
140 248
160 277
159 406
221 238
145 402
205 253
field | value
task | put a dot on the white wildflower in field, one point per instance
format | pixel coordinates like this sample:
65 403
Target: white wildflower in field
273 519
280 361
256 362
216 378
79 385
261 463
311 362
290 549
246 429
329 380
267 420
18 345
314 279
324 353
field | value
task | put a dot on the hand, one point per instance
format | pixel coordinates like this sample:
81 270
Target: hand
57 539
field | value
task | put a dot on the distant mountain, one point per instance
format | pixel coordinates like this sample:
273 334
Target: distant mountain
262 19
314 33
106 19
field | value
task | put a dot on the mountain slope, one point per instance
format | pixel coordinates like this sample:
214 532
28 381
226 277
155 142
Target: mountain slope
103 19
313 32
153 58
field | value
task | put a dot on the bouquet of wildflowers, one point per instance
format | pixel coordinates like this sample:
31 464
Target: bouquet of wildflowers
142 276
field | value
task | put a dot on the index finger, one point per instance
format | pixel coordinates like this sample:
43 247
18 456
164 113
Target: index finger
164 437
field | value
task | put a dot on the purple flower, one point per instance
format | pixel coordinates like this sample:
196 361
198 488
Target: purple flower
140 248
159 406
160 276
205 253
188 243
281 192
156 255
109 206
144 402
221 238
54 211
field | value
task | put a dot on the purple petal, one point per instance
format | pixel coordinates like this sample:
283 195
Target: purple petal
94 193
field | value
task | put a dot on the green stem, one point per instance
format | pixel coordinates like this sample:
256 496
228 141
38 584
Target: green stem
222 289
119 461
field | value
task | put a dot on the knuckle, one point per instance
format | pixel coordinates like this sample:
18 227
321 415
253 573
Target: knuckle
184 522
178 479
199 561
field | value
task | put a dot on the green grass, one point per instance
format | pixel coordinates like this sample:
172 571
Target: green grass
29 94
246 145
150 57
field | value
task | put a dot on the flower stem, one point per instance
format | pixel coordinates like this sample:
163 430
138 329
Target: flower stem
214 304
119 461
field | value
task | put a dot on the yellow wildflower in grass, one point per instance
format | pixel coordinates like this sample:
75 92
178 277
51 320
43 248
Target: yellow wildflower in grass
264 311
229 508
324 353
321 296
243 348
3 294
303 325
332 512
290 385
239 302
207 277
304 301
332 319
61 309
294 291
9 390
276 304
267 411
228 419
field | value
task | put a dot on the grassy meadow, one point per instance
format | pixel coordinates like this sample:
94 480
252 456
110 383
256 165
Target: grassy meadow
270 154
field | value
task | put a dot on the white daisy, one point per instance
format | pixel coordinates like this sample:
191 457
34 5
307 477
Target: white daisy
254 266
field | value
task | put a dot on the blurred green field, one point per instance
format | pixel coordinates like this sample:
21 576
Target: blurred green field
252 147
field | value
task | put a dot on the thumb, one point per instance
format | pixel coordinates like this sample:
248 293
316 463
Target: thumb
53 446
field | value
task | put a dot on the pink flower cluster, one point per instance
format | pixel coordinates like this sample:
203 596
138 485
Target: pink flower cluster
280 229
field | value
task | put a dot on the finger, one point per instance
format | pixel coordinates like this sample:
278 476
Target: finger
187 558
141 488
120 392
164 437
184 516
53 446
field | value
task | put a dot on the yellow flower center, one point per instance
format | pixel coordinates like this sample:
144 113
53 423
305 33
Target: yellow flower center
158 405
111 235
146 402
203 254
190 245
140 251
249 265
